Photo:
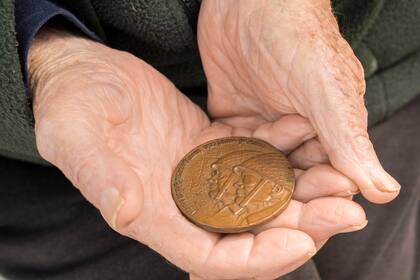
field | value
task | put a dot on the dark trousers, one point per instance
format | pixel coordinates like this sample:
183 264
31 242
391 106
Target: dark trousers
49 231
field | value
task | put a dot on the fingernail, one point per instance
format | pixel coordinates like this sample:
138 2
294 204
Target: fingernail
393 184
348 193
383 181
389 184
355 228
110 205
353 192
311 253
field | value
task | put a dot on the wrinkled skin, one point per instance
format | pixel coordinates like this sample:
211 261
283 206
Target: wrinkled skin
117 128
269 58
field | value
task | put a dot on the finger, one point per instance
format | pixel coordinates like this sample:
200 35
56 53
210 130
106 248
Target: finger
195 277
271 252
285 249
320 218
352 153
104 179
286 134
235 256
321 181
320 244
311 153
340 117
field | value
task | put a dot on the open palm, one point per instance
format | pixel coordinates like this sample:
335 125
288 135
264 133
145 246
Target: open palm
117 128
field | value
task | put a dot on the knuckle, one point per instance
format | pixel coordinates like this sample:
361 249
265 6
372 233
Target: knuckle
362 145
357 128
359 76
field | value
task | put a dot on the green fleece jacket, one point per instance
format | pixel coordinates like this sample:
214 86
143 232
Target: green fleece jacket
384 34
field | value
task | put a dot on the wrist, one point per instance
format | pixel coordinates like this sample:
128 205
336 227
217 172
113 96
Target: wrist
57 59
52 51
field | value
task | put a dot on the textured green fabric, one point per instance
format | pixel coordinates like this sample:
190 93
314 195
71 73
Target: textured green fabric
16 119
356 17
158 32
383 33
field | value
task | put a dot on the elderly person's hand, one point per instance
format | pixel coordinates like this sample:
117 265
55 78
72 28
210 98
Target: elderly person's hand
268 58
117 128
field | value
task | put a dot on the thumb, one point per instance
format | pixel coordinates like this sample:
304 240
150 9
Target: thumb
344 137
338 114
102 177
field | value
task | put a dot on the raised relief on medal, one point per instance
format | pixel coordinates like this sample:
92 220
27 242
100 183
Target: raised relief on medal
233 184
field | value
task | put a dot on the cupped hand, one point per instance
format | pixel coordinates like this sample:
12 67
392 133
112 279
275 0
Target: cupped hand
117 128
265 59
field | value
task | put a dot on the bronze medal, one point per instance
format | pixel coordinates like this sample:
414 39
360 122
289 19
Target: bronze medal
232 184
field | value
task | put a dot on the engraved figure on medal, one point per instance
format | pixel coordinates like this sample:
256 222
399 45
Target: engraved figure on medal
244 185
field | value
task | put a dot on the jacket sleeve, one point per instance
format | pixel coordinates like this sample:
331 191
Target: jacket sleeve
19 21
